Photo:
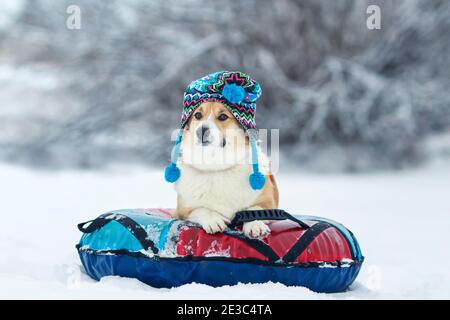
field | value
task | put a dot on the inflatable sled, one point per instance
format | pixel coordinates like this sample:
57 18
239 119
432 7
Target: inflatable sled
149 245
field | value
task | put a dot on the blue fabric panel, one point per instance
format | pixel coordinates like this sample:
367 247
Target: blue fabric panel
155 226
167 273
112 236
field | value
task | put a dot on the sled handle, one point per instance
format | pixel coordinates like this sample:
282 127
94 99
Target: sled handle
92 225
263 214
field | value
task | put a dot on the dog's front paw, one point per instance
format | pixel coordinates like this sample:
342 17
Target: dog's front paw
214 223
255 229
211 221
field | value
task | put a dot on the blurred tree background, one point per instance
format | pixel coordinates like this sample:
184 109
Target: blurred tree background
344 97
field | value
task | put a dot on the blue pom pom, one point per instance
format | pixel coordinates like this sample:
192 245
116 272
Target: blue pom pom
233 93
257 180
172 173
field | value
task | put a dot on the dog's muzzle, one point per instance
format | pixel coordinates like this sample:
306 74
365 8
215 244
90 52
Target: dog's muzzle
204 135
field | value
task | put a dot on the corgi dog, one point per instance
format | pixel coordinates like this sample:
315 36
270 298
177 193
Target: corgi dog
215 164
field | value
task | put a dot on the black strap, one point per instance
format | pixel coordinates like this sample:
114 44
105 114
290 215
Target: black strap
135 228
256 244
263 214
305 240
93 225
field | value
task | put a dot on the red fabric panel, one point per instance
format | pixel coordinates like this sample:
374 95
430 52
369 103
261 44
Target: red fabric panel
283 235
328 246
194 241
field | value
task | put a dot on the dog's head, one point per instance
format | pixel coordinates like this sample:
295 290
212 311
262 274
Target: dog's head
213 139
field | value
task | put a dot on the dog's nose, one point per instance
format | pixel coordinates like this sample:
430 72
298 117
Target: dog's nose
202 134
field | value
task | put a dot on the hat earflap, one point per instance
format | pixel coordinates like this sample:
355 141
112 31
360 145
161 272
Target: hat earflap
256 179
172 172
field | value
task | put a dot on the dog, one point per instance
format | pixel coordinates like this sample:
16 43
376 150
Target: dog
215 165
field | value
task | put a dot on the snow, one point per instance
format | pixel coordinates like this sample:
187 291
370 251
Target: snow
401 219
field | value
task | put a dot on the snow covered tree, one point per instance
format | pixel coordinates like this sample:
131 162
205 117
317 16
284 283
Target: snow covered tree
343 96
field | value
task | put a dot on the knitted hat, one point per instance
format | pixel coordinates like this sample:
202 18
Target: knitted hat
238 92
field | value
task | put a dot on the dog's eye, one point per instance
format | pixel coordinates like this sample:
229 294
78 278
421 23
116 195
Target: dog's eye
198 115
223 117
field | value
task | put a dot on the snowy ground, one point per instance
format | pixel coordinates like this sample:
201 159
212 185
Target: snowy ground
401 219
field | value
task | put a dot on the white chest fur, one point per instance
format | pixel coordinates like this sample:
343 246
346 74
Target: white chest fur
226 191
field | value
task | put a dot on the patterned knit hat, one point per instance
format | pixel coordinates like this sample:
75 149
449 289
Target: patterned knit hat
238 92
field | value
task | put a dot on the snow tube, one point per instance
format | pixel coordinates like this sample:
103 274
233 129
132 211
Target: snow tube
148 244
